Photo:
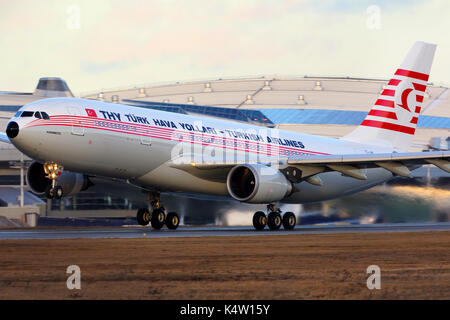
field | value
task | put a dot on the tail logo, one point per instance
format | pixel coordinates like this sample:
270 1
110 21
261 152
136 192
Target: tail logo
403 102
396 108
394 116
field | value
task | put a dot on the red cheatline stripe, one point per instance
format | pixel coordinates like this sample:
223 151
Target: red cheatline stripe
388 92
418 109
419 98
419 87
388 126
157 132
385 103
414 120
384 114
269 150
394 82
412 74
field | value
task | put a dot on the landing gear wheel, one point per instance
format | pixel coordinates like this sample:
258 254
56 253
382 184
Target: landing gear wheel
53 193
274 221
172 220
289 221
259 220
158 218
143 216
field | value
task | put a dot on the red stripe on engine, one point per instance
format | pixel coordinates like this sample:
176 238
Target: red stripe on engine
388 126
412 74
385 103
418 109
384 114
414 120
419 98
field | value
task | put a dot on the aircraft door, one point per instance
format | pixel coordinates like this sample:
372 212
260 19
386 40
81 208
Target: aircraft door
77 128
145 139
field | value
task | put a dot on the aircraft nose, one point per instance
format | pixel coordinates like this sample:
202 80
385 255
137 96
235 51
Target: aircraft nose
12 130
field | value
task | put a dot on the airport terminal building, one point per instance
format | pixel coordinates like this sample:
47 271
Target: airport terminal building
326 106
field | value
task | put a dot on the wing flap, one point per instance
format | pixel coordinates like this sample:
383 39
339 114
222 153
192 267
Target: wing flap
441 164
396 168
349 164
348 170
410 157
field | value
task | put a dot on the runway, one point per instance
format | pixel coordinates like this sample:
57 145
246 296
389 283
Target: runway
133 232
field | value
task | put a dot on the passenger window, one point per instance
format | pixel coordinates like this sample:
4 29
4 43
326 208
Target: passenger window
37 114
45 115
27 114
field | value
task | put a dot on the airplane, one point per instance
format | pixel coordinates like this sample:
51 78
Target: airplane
72 139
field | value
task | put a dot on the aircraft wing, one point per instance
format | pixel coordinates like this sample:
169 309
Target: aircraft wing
351 165
4 137
301 168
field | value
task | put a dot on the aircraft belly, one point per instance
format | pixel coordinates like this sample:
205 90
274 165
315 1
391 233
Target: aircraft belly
167 178
336 185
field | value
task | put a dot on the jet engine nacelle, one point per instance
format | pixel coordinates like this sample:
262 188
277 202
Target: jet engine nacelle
257 183
70 182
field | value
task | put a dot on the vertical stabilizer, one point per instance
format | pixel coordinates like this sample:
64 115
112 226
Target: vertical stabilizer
393 118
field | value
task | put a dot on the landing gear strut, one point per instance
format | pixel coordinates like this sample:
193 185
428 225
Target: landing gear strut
274 219
53 171
156 215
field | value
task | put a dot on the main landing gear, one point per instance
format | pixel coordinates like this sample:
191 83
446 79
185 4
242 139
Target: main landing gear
157 217
274 220
53 171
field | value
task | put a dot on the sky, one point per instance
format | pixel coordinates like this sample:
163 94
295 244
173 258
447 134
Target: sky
100 45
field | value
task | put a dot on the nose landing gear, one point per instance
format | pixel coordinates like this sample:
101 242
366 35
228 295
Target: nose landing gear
274 220
53 171
157 216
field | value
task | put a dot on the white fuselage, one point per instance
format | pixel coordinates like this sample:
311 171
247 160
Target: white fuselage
139 145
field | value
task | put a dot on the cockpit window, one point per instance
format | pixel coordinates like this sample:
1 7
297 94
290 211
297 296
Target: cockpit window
18 114
27 113
37 114
45 115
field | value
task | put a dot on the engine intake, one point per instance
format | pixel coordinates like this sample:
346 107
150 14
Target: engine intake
70 182
257 183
